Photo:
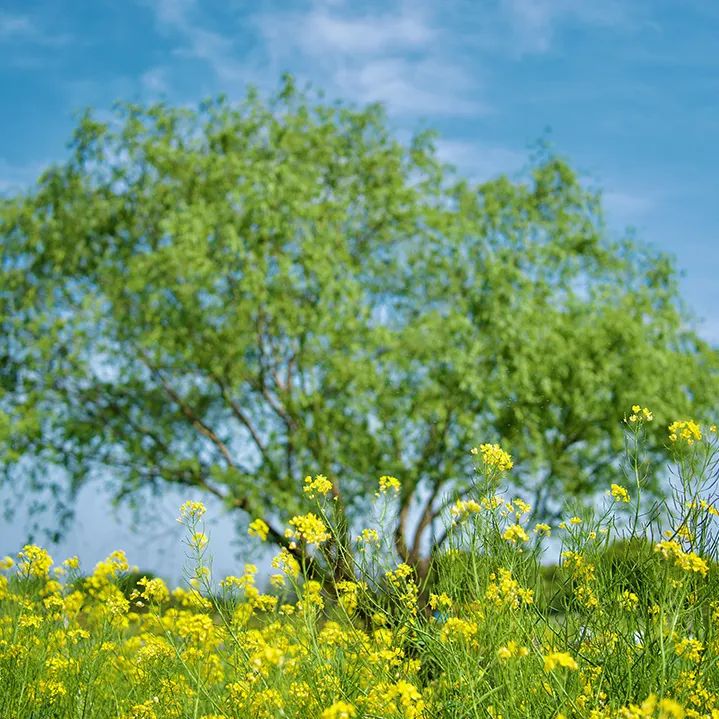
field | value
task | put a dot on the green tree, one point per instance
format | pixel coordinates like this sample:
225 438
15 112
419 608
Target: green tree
231 298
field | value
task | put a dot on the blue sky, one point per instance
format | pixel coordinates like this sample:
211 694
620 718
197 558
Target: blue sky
627 90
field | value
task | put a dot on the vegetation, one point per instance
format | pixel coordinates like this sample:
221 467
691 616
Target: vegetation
492 640
229 298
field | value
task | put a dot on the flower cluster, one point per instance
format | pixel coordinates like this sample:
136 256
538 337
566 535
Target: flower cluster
320 485
493 457
685 431
307 528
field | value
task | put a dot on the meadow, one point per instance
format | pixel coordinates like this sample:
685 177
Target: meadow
624 624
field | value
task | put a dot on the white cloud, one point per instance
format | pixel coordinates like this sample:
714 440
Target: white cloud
430 86
217 50
399 56
25 29
154 81
321 31
533 23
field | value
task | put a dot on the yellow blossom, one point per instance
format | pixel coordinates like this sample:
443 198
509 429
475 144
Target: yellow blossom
559 659
191 511
515 533
387 483
493 457
258 528
319 485
685 430
308 528
619 493
512 650
339 710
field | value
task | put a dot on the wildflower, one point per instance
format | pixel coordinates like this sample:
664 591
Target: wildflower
319 485
493 457
504 590
34 561
198 540
559 659
440 601
685 430
575 520
542 529
387 483
512 650
286 563
619 493
308 528
462 509
515 533
191 511
311 595
458 629
258 528
628 600
578 565
639 415
368 536
687 561
690 649
71 563
339 710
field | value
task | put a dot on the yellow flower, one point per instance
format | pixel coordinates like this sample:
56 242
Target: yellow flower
690 649
687 561
387 482
639 414
462 509
368 536
493 456
458 629
308 528
198 540
512 650
515 533
541 528
619 493
286 563
319 485
258 528
559 659
72 563
628 600
34 561
440 601
191 511
339 710
685 430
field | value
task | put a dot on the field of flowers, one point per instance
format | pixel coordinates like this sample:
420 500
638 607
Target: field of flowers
626 624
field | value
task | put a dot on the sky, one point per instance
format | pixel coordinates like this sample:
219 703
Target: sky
626 90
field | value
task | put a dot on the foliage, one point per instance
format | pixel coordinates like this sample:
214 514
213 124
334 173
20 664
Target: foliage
483 645
230 298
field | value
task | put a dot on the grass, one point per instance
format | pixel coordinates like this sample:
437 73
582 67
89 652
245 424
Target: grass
625 625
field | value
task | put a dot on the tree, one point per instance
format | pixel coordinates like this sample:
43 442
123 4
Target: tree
234 297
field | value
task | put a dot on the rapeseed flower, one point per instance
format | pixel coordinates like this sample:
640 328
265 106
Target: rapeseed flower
258 528
493 457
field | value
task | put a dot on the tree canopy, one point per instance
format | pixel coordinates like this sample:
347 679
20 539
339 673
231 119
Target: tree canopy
233 297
